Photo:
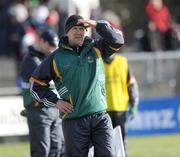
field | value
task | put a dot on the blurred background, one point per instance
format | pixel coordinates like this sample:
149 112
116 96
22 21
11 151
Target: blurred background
152 44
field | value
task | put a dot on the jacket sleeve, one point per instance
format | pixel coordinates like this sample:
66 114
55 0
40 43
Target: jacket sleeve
133 89
39 83
111 39
27 67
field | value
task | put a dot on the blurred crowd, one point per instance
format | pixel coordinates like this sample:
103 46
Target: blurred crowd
162 32
21 21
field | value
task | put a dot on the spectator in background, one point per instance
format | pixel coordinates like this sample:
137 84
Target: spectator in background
141 41
3 27
17 14
41 11
159 25
53 19
122 92
15 32
77 69
43 122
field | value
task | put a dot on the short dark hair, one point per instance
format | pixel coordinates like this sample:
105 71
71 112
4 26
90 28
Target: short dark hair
51 37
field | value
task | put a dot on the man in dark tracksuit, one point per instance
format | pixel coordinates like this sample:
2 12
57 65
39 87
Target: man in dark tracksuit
78 72
43 122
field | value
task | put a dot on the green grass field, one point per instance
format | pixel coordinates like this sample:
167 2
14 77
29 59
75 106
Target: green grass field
14 150
152 146
155 146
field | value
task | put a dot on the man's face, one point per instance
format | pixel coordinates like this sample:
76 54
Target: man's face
76 35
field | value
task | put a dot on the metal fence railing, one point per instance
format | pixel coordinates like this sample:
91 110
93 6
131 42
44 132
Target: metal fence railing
158 73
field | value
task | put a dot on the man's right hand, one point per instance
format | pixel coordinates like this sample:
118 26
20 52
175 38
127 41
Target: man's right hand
64 106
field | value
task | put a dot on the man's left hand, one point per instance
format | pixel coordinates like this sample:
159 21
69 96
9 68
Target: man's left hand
132 112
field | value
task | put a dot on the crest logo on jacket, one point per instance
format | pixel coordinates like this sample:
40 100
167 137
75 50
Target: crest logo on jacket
90 59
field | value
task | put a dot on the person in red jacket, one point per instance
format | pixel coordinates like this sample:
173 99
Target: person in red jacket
159 25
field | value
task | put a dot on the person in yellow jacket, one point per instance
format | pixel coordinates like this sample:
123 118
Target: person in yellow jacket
122 92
